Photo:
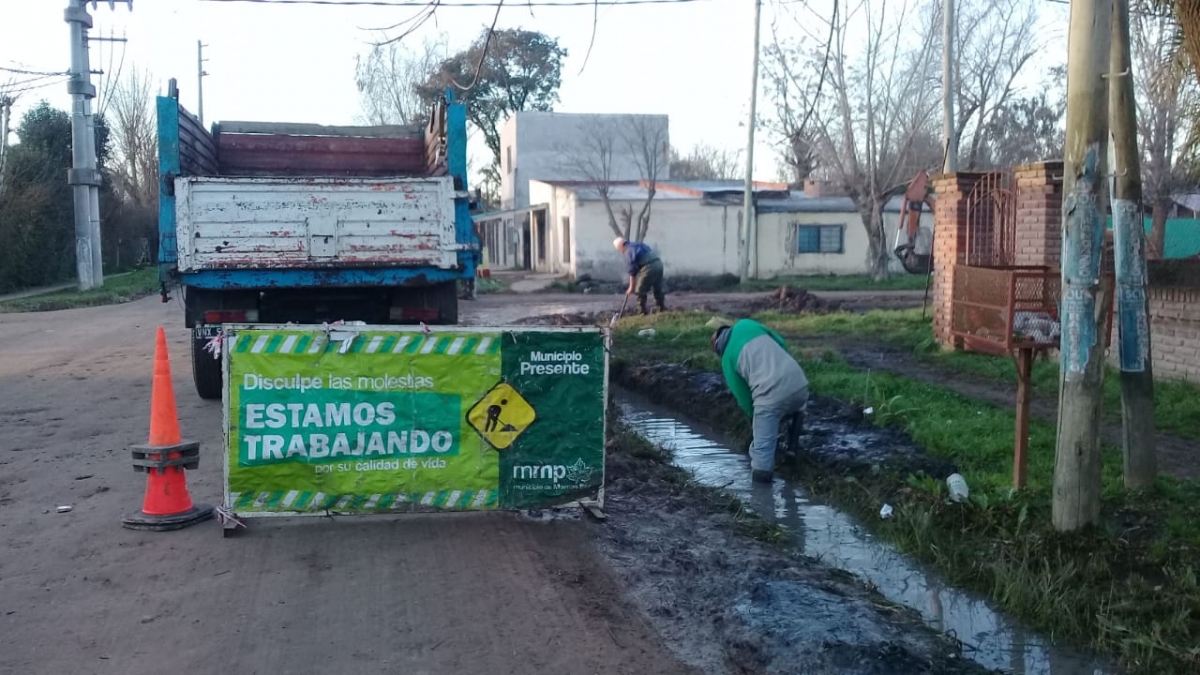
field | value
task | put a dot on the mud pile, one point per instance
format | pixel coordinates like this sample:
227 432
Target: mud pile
793 300
837 436
726 603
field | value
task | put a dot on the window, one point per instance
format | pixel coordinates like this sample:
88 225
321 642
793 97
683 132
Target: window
508 157
819 239
566 239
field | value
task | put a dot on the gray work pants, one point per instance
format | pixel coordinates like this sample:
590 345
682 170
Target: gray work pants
767 416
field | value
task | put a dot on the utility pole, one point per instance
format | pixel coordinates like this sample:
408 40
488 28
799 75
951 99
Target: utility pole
83 176
1129 248
749 229
200 73
1076 501
948 38
6 102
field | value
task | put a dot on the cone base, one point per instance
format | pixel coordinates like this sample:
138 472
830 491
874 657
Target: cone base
176 521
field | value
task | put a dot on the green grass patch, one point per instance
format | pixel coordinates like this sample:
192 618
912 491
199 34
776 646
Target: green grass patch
850 282
1129 587
116 290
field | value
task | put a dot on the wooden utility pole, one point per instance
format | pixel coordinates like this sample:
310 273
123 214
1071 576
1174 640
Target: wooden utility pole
948 33
1129 248
1077 458
6 103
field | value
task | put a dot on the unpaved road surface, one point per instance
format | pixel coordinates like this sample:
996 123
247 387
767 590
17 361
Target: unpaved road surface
432 594
414 595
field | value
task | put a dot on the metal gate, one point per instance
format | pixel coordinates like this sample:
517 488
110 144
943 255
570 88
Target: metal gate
992 221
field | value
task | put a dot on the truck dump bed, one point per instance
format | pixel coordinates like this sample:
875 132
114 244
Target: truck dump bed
262 197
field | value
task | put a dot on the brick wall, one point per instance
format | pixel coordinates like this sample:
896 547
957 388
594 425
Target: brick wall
949 244
1039 214
1175 332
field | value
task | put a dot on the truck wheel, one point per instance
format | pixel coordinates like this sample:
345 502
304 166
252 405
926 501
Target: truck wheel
446 299
206 372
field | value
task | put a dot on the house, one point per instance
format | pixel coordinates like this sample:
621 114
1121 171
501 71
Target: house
563 147
566 147
695 227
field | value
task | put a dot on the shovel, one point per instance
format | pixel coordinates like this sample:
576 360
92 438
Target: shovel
612 323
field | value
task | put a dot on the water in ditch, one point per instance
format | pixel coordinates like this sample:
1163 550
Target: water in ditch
825 533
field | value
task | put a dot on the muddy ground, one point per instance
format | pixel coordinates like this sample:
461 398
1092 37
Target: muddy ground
415 594
726 603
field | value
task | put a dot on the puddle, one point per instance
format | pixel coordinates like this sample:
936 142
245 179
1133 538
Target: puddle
822 532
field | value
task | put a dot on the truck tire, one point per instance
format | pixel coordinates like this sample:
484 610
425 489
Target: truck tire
446 300
206 372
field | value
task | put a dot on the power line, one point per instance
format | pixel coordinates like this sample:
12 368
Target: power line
469 3
42 73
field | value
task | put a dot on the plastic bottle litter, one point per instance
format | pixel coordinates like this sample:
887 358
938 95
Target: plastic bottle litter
959 491
65 509
886 511
647 332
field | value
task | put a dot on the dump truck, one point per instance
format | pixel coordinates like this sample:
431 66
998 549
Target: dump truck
274 223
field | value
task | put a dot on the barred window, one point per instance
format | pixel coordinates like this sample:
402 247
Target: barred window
820 239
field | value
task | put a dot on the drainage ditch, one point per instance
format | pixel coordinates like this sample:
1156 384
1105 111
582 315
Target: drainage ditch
822 532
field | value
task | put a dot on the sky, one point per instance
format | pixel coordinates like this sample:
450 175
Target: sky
295 63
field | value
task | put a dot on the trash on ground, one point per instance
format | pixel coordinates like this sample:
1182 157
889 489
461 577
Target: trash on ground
647 332
959 491
65 509
886 511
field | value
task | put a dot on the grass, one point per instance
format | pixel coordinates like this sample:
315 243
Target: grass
116 290
1129 587
1177 404
489 286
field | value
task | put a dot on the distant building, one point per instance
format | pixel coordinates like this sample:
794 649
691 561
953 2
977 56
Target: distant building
562 147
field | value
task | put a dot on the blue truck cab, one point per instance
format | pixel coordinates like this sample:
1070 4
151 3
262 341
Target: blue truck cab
280 222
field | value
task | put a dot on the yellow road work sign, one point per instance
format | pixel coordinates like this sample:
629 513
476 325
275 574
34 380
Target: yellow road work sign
501 416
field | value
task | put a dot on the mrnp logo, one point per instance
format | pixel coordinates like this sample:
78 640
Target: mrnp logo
557 474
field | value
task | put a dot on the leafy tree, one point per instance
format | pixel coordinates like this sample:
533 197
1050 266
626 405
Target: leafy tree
37 211
511 71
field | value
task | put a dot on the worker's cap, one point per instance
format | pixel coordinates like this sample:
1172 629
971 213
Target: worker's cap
716 337
618 243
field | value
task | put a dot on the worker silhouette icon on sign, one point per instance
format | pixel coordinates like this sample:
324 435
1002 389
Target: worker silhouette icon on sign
493 418
501 415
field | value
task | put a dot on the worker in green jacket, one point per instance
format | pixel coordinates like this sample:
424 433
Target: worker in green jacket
768 384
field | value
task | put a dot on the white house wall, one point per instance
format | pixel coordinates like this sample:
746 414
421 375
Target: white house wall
691 239
778 244
561 203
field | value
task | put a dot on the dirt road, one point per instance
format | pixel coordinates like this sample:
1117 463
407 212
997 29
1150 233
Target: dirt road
415 594
79 594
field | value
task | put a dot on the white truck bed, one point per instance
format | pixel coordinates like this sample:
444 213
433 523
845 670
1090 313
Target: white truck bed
314 223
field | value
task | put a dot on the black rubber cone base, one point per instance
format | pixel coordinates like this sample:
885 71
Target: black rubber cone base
178 521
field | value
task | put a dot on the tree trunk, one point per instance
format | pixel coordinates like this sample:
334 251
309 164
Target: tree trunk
1076 501
877 254
1129 248
1156 248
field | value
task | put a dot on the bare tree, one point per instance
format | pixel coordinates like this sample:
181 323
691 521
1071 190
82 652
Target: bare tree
706 162
1166 91
386 77
134 128
604 144
996 41
866 109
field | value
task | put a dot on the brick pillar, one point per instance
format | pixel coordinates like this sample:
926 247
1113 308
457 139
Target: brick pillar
949 244
1039 214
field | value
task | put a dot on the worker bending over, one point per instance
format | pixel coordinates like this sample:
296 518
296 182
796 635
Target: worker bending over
768 384
645 272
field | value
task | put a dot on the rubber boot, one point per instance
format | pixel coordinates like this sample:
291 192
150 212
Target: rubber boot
761 476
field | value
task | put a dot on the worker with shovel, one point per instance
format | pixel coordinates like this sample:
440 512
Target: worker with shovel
645 272
768 384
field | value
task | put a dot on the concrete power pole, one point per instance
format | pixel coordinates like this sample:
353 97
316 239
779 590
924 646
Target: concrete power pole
1129 247
83 175
200 73
749 229
1076 501
948 39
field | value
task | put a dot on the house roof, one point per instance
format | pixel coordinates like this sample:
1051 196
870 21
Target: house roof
771 197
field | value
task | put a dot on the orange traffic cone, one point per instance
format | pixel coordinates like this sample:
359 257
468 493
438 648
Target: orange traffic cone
167 504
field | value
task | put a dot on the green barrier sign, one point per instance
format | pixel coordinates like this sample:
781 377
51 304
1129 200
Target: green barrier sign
378 420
